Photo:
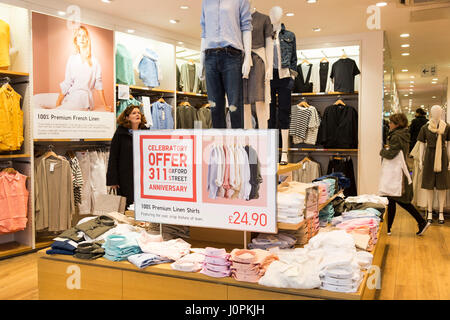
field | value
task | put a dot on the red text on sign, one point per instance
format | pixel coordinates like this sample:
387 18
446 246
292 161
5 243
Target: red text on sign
167 159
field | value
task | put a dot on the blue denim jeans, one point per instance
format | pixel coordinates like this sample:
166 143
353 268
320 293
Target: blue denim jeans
223 70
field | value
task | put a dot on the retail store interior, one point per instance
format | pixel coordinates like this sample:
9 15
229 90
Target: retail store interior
303 128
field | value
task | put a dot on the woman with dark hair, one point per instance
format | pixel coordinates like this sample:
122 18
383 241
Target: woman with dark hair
416 125
120 164
398 140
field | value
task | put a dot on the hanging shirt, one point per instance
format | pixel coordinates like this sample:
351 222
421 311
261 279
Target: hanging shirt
339 127
149 69
124 66
11 119
13 202
189 81
162 116
4 44
223 22
343 73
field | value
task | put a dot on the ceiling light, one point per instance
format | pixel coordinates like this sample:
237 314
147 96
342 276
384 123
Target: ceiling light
434 97
412 77
435 79
174 21
411 86
290 14
404 70
406 95
381 4
311 1
405 54
107 1
385 71
434 82
411 82
180 42
316 29
62 13
130 30
405 45
404 35
184 7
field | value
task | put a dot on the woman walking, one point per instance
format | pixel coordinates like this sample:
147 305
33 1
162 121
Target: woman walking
398 140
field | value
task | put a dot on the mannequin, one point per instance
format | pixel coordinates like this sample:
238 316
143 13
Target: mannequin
6 44
262 29
435 177
285 64
226 57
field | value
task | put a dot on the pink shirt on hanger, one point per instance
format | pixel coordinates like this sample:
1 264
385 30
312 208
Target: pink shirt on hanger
13 202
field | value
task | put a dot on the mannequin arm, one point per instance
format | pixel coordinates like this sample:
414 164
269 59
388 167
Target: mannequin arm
202 60
421 153
448 153
269 58
12 50
247 39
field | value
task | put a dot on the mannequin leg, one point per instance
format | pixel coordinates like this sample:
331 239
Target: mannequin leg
285 145
442 194
430 198
248 116
261 113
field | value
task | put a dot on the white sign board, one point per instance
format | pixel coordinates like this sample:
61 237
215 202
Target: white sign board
224 179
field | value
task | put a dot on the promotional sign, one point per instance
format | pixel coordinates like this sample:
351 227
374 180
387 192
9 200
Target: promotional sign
223 179
73 80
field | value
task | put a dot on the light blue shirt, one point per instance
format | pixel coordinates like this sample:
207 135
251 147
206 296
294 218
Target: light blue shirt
148 68
162 116
223 22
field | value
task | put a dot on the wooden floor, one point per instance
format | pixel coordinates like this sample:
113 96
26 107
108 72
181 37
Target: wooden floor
414 267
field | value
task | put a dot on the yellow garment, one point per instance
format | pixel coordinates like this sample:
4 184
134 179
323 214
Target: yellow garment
4 44
11 119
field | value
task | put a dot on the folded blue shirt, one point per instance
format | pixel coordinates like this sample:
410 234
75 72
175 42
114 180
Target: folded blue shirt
147 259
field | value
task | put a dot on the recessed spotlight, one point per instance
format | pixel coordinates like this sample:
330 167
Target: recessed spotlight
412 77
434 97
404 35
405 45
130 30
406 95
404 70
411 82
107 1
405 54
316 29
381 4
290 14
435 79
385 71
433 82
174 21
180 42
184 7
62 13
411 86
311 1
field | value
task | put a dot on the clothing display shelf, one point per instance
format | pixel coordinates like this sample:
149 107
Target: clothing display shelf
320 150
13 74
191 94
104 279
14 156
322 94
149 89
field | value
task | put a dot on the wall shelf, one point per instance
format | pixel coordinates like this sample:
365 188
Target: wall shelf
13 74
192 94
323 94
139 88
289 226
14 156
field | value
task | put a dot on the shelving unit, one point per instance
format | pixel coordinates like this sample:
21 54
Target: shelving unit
14 156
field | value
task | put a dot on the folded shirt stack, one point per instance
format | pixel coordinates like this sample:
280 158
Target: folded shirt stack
89 228
326 214
192 262
341 279
266 241
120 247
63 246
174 231
217 263
250 265
366 213
366 198
143 260
89 251
290 207
323 192
173 249
362 226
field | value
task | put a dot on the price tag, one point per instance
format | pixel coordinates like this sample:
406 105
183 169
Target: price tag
163 115
52 166
124 92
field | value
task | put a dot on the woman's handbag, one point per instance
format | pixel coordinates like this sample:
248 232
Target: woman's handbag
111 202
391 177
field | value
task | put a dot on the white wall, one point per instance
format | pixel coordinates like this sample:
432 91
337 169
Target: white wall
370 102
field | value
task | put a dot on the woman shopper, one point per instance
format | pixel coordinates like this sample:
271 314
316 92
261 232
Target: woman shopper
398 140
120 165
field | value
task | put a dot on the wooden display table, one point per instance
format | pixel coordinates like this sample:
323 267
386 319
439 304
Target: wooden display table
66 277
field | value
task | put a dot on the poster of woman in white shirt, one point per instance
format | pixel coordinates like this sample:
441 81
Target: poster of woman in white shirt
73 79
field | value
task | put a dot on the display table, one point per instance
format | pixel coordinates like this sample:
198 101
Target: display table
66 277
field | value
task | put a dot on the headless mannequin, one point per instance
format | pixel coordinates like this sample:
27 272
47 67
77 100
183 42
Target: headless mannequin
436 116
276 13
261 107
12 50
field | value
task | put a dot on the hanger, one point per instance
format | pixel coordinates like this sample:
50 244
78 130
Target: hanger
303 103
304 60
71 154
50 152
5 80
9 170
339 102
344 55
324 57
190 61
161 99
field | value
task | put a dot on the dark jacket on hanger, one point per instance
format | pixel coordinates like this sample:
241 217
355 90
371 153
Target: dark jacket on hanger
288 48
120 164
339 127
414 129
302 85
